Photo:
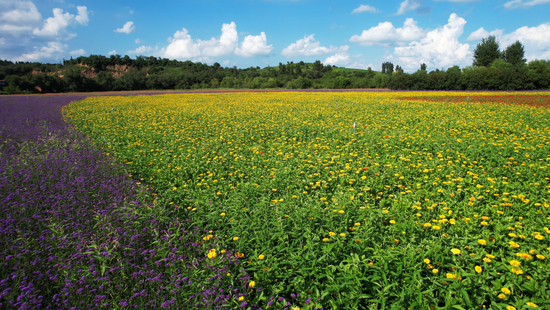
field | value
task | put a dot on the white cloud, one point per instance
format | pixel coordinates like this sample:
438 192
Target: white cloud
82 17
407 5
113 52
55 27
227 62
182 46
440 48
360 65
339 59
53 50
364 8
141 50
138 41
18 17
385 32
127 28
308 47
535 40
23 32
515 4
254 46
482 33
77 52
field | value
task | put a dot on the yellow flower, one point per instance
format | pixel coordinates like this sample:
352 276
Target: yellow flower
450 276
331 233
251 284
524 255
487 259
435 227
241 298
515 263
261 256
541 256
357 224
455 251
427 261
435 270
341 211
482 242
505 290
325 240
501 296
222 214
478 269
342 235
539 237
235 238
517 271
532 304
510 308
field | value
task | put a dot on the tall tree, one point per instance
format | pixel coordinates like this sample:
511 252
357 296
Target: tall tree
423 67
486 52
514 54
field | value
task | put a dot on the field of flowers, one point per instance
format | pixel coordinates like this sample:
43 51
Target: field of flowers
318 200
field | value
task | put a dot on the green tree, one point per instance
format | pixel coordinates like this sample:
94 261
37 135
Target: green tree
514 54
423 67
486 52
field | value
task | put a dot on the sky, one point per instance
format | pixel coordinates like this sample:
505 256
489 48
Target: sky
250 33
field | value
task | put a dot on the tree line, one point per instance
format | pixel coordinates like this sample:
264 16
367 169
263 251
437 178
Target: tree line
491 69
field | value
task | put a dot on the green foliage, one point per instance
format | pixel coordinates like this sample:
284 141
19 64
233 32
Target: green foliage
486 52
514 54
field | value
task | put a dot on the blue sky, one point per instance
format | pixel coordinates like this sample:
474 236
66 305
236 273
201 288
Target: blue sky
244 33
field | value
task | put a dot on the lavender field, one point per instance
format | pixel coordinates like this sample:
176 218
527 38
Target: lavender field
77 233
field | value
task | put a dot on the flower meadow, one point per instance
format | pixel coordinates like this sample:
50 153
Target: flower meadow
288 200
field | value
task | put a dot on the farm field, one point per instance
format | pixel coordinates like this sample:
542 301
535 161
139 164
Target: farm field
348 200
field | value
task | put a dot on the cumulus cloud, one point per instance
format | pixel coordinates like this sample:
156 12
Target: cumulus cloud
364 8
482 33
360 65
141 50
407 5
82 17
309 47
346 60
127 28
52 50
516 4
56 27
138 41
440 47
113 52
182 46
254 46
339 59
18 18
26 36
535 40
78 52
385 33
